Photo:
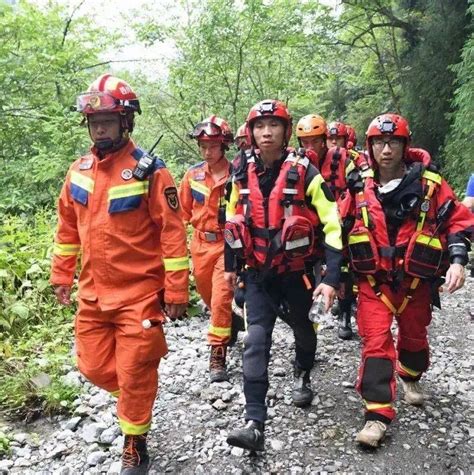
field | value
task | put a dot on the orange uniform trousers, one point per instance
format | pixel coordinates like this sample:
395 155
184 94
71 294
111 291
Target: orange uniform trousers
208 271
117 353
380 360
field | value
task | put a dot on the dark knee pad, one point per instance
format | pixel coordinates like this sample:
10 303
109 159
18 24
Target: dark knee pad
376 380
415 360
255 359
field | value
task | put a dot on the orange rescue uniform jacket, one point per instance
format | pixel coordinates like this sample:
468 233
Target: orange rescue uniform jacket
201 198
129 233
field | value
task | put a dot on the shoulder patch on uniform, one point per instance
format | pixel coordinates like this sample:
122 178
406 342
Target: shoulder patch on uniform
171 195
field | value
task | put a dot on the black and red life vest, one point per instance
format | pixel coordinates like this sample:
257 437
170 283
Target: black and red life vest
418 248
278 231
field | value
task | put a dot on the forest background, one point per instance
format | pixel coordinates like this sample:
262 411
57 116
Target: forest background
350 63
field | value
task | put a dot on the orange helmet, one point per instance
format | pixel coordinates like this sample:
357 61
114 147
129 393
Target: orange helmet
310 126
108 94
213 128
242 137
387 124
270 108
338 129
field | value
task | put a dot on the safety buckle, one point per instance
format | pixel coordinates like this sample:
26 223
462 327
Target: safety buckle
210 237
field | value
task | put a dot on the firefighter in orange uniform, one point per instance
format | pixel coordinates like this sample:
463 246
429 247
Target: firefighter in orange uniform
406 230
334 163
202 196
119 211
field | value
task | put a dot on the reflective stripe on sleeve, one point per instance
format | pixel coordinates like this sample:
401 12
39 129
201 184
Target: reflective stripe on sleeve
176 263
66 249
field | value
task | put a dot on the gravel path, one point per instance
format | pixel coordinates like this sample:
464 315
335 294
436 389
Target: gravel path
192 418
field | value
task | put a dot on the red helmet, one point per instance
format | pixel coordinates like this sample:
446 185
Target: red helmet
270 108
108 94
338 129
213 128
387 124
351 135
242 139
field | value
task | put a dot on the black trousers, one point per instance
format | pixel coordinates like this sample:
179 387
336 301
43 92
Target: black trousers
263 299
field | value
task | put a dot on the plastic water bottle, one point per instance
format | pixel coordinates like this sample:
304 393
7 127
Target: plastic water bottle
317 309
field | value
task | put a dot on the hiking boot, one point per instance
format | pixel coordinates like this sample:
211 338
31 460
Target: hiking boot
135 458
251 437
372 433
413 392
217 369
344 331
302 393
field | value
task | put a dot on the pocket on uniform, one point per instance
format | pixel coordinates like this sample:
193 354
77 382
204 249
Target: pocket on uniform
153 345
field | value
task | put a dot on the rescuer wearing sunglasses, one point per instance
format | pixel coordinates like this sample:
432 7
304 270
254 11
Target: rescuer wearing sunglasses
119 211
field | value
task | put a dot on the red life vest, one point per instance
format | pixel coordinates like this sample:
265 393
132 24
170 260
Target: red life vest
418 250
282 228
333 169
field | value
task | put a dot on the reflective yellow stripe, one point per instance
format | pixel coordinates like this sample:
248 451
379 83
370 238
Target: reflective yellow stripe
176 263
66 249
432 176
349 167
131 189
368 173
429 241
409 371
354 239
232 203
219 331
371 406
115 393
199 187
327 212
133 429
82 181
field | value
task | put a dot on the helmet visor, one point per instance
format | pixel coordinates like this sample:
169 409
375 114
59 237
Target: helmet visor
207 128
90 102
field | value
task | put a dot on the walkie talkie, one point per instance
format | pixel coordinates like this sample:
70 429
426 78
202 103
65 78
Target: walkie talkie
146 163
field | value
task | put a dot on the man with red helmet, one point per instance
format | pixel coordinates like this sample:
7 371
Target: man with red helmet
276 204
202 196
334 164
406 229
337 135
351 137
242 141
119 210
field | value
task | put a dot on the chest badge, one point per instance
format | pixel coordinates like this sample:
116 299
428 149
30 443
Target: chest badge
126 174
86 164
200 176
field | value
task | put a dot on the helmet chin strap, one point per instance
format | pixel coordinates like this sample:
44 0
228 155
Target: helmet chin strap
111 145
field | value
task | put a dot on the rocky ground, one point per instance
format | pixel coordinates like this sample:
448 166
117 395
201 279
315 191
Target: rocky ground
192 417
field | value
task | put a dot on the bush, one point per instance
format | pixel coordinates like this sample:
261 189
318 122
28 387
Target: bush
35 333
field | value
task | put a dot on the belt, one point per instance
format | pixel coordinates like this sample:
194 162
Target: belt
209 236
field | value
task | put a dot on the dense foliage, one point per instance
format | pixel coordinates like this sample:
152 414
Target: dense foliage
415 57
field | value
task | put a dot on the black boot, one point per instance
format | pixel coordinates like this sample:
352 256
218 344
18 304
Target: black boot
344 332
251 437
135 458
217 369
238 325
302 393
